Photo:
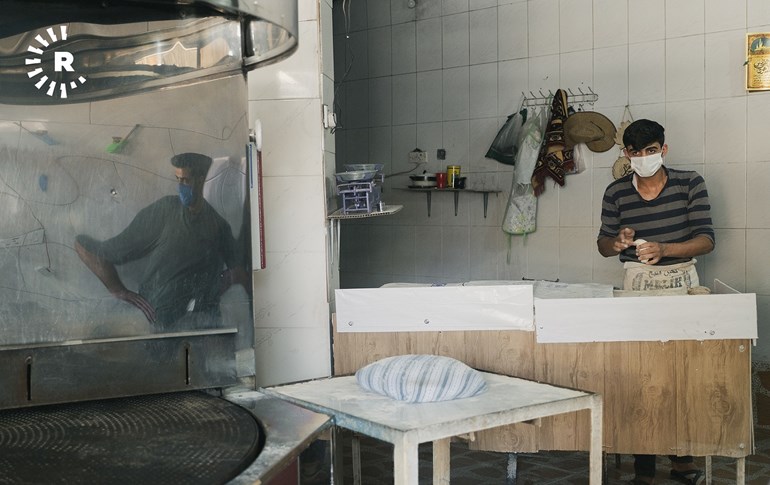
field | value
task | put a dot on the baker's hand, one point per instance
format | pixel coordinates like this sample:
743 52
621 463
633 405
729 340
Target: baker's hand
138 301
624 240
650 252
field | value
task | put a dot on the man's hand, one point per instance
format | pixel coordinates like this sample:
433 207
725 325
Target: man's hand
138 301
612 246
650 252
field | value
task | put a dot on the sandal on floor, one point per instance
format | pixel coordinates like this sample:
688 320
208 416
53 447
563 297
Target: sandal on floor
690 477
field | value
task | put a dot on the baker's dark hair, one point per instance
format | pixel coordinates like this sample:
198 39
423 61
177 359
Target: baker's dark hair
198 163
642 133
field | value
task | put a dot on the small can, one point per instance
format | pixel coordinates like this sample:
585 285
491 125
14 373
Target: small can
452 171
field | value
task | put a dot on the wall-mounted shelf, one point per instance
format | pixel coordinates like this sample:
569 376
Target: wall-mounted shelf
387 210
429 191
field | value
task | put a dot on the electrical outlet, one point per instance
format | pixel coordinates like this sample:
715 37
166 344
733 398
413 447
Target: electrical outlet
418 157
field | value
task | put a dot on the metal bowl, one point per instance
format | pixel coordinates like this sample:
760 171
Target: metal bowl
355 176
358 167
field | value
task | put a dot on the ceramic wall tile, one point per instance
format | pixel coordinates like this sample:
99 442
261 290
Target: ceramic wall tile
380 244
727 262
575 201
308 348
380 47
548 205
455 40
758 126
608 271
512 81
483 36
611 76
483 90
543 29
457 141
721 15
445 203
575 25
543 254
513 259
726 184
455 253
283 300
425 10
480 4
684 17
429 44
482 134
757 262
339 57
576 70
357 55
356 144
542 73
356 112
380 101
496 202
610 23
293 227
758 12
685 128
602 177
404 141
646 20
576 247
726 130
758 217
761 352
404 250
485 247
404 48
647 72
685 69
307 10
724 56
327 87
512 31
283 123
430 137
456 93
358 18
380 147
377 13
401 12
450 7
429 96
327 40
404 99
428 241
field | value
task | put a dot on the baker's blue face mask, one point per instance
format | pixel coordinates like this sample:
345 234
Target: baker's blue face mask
186 194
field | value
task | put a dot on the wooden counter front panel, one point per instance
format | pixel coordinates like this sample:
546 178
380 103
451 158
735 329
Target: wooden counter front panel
678 397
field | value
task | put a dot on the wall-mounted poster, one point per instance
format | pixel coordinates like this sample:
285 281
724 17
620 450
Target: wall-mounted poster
758 62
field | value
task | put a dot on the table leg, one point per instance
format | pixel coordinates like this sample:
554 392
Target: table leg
740 471
441 464
356 452
512 469
596 442
708 469
405 462
337 457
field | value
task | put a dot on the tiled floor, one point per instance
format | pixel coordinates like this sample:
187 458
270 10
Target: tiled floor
477 468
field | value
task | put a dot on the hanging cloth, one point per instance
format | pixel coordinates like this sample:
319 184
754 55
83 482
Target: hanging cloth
554 157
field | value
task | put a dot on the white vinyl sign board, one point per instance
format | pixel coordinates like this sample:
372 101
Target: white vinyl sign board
430 309
649 318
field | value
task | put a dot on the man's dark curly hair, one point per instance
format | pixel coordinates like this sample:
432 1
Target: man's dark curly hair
642 133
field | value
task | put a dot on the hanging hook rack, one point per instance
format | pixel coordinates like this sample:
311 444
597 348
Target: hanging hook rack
542 99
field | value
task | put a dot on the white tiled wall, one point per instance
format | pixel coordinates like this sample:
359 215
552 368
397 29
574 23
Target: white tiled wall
447 73
291 296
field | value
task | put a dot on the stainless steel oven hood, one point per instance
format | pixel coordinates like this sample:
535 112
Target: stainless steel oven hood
86 50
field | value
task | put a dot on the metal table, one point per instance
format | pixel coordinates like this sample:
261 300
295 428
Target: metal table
508 400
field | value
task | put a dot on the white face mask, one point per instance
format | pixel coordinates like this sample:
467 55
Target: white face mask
646 166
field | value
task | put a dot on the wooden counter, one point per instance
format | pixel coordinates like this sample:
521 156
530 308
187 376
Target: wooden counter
679 397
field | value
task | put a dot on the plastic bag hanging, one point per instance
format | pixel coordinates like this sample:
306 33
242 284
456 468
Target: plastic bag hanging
506 144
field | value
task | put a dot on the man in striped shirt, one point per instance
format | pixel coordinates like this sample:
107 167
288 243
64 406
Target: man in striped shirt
656 216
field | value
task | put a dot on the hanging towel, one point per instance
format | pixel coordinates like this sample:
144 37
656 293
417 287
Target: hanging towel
554 157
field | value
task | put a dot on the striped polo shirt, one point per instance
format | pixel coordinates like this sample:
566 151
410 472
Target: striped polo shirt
679 213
